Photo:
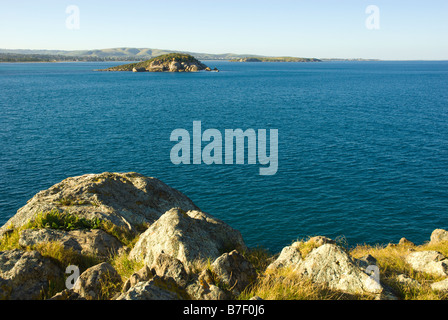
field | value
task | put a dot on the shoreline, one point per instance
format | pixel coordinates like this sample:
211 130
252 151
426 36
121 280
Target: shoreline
119 225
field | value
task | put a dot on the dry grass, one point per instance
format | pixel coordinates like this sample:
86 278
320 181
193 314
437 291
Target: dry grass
65 256
391 262
285 284
10 240
125 266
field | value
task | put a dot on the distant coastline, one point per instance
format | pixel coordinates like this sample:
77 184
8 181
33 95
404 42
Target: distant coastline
139 55
275 59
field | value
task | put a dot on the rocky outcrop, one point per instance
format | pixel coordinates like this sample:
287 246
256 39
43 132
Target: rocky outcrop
234 271
91 282
127 200
95 243
144 274
154 289
165 280
439 235
331 265
186 253
206 291
187 236
138 69
431 262
440 285
290 257
26 275
175 66
408 282
167 266
328 264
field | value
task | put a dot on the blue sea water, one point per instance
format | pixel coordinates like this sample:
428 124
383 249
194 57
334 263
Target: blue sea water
363 146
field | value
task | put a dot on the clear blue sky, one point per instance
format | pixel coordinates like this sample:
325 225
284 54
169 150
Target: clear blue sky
409 29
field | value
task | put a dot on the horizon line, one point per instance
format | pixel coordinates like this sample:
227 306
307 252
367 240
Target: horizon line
226 53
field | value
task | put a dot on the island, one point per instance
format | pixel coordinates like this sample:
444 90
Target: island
172 62
275 59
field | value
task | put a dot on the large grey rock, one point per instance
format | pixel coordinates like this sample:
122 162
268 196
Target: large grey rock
25 275
144 274
187 236
193 68
67 294
440 285
147 291
365 262
332 266
169 267
234 270
156 288
328 264
175 66
156 66
290 256
408 282
96 243
432 262
206 287
125 199
138 69
91 281
439 235
201 290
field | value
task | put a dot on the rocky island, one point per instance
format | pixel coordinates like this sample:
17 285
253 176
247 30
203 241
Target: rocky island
172 62
132 237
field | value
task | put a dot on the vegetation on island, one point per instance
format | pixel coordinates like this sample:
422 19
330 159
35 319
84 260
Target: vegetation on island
161 63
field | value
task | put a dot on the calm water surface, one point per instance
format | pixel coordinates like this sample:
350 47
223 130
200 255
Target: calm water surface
363 146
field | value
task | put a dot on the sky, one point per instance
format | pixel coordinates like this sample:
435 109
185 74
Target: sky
394 30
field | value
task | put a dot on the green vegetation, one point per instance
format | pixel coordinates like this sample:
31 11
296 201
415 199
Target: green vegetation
55 219
10 240
179 57
66 221
125 266
163 59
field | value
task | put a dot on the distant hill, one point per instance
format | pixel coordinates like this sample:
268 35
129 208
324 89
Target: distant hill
136 54
32 57
124 54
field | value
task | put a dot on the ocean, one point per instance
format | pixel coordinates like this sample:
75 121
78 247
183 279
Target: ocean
362 146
